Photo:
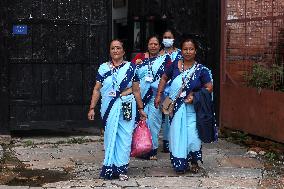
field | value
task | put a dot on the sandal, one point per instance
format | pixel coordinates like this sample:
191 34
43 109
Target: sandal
194 168
123 177
153 158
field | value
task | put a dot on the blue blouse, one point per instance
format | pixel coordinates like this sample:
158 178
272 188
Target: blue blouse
202 78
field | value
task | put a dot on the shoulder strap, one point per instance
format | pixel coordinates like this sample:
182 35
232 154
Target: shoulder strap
184 84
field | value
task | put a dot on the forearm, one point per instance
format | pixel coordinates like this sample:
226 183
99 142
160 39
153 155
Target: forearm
162 84
137 95
95 98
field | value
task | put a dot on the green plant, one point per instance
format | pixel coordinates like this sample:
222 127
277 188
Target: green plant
271 156
28 143
239 136
278 76
80 140
263 77
260 77
242 136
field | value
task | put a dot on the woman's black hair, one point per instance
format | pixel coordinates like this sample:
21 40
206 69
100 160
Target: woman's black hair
199 43
187 39
150 37
122 45
171 31
119 40
154 36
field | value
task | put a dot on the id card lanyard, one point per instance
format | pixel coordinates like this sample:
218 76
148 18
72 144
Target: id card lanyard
185 79
114 79
149 77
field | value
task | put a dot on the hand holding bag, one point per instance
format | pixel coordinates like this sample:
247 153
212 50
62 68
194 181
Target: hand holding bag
168 106
141 140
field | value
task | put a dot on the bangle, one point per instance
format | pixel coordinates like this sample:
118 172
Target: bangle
140 108
92 108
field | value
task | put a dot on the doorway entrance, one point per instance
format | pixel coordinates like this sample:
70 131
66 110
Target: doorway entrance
142 29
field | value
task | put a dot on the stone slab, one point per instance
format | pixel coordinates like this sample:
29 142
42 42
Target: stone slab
220 182
76 183
240 162
171 182
50 164
1 152
239 173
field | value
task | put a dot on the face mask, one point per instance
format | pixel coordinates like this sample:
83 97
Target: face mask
168 42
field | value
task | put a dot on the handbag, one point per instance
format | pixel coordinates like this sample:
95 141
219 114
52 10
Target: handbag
127 110
168 103
141 140
168 106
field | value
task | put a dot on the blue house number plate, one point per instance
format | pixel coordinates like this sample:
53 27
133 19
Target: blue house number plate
20 29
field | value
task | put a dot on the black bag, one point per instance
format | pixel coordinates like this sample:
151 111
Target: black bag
205 117
127 110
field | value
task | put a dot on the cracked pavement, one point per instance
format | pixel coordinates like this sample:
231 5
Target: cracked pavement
76 161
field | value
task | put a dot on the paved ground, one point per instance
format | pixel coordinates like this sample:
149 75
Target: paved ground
75 162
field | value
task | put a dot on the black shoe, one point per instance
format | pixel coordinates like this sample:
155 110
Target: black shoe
166 146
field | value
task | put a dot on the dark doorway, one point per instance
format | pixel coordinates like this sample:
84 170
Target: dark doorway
120 31
198 18
141 29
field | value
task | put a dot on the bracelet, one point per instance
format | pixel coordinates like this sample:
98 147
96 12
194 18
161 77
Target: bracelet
91 108
140 108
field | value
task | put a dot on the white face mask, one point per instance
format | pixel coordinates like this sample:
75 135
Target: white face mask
168 42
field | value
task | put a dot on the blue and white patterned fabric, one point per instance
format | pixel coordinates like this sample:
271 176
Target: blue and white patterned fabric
173 57
118 132
185 145
148 74
176 55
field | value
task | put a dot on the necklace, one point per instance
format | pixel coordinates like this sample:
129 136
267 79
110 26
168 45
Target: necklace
113 65
114 74
184 76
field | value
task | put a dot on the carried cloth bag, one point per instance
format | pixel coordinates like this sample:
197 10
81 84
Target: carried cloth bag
141 140
168 104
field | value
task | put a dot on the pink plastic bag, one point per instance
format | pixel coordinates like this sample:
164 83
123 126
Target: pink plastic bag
141 140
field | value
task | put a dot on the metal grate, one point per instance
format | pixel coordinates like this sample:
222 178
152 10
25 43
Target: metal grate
254 32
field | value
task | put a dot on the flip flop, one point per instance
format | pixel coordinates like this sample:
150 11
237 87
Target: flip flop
123 177
194 168
153 158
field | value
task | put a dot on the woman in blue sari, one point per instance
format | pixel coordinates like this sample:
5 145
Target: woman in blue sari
148 74
168 46
118 110
174 54
187 77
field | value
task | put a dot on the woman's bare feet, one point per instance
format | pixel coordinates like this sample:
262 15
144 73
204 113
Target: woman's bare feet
194 168
123 177
153 158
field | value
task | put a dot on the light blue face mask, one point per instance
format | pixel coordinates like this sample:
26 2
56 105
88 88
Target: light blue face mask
168 42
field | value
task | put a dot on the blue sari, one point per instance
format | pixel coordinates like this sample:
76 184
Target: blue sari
118 132
151 68
173 57
185 144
